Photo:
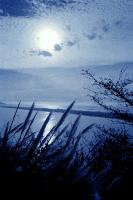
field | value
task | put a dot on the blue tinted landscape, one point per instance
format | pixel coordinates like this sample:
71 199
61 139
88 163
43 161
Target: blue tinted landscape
66 99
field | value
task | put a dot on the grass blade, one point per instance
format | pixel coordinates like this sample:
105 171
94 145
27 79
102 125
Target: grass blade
28 129
57 126
25 124
71 135
14 116
39 136
5 136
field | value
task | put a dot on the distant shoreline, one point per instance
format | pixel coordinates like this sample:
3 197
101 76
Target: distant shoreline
59 110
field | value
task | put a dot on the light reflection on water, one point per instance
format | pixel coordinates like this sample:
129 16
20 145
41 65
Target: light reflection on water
6 115
49 126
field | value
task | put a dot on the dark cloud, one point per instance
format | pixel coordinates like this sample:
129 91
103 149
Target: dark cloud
57 3
71 43
29 8
1 12
68 28
118 23
91 36
106 28
15 8
58 47
41 53
99 31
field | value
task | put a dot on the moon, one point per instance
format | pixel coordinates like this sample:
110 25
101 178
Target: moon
48 38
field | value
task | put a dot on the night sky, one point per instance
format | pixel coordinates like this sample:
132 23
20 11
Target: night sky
65 33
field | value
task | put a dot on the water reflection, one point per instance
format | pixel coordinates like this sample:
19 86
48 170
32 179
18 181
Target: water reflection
7 114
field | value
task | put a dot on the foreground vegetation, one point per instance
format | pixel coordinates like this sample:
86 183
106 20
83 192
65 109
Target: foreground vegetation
58 165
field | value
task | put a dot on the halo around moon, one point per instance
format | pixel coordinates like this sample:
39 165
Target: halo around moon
47 38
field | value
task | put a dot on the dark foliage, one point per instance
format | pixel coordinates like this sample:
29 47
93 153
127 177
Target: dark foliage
112 156
112 163
117 92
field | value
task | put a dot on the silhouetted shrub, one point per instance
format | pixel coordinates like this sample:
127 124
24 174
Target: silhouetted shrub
112 162
113 95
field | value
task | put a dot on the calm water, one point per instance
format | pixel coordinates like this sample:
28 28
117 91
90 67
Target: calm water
6 115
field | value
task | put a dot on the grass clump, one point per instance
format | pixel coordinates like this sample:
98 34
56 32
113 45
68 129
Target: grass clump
56 165
39 165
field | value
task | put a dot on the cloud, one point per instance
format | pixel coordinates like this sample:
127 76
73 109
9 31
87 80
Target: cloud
99 31
118 23
71 43
91 36
59 3
106 28
1 12
68 28
16 8
53 3
58 47
28 8
41 53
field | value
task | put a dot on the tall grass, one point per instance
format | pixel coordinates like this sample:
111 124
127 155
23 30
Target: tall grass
55 165
52 155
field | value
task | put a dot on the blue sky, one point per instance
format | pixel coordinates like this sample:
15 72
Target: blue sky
92 32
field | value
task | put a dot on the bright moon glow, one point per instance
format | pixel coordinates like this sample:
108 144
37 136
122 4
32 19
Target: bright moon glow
47 38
